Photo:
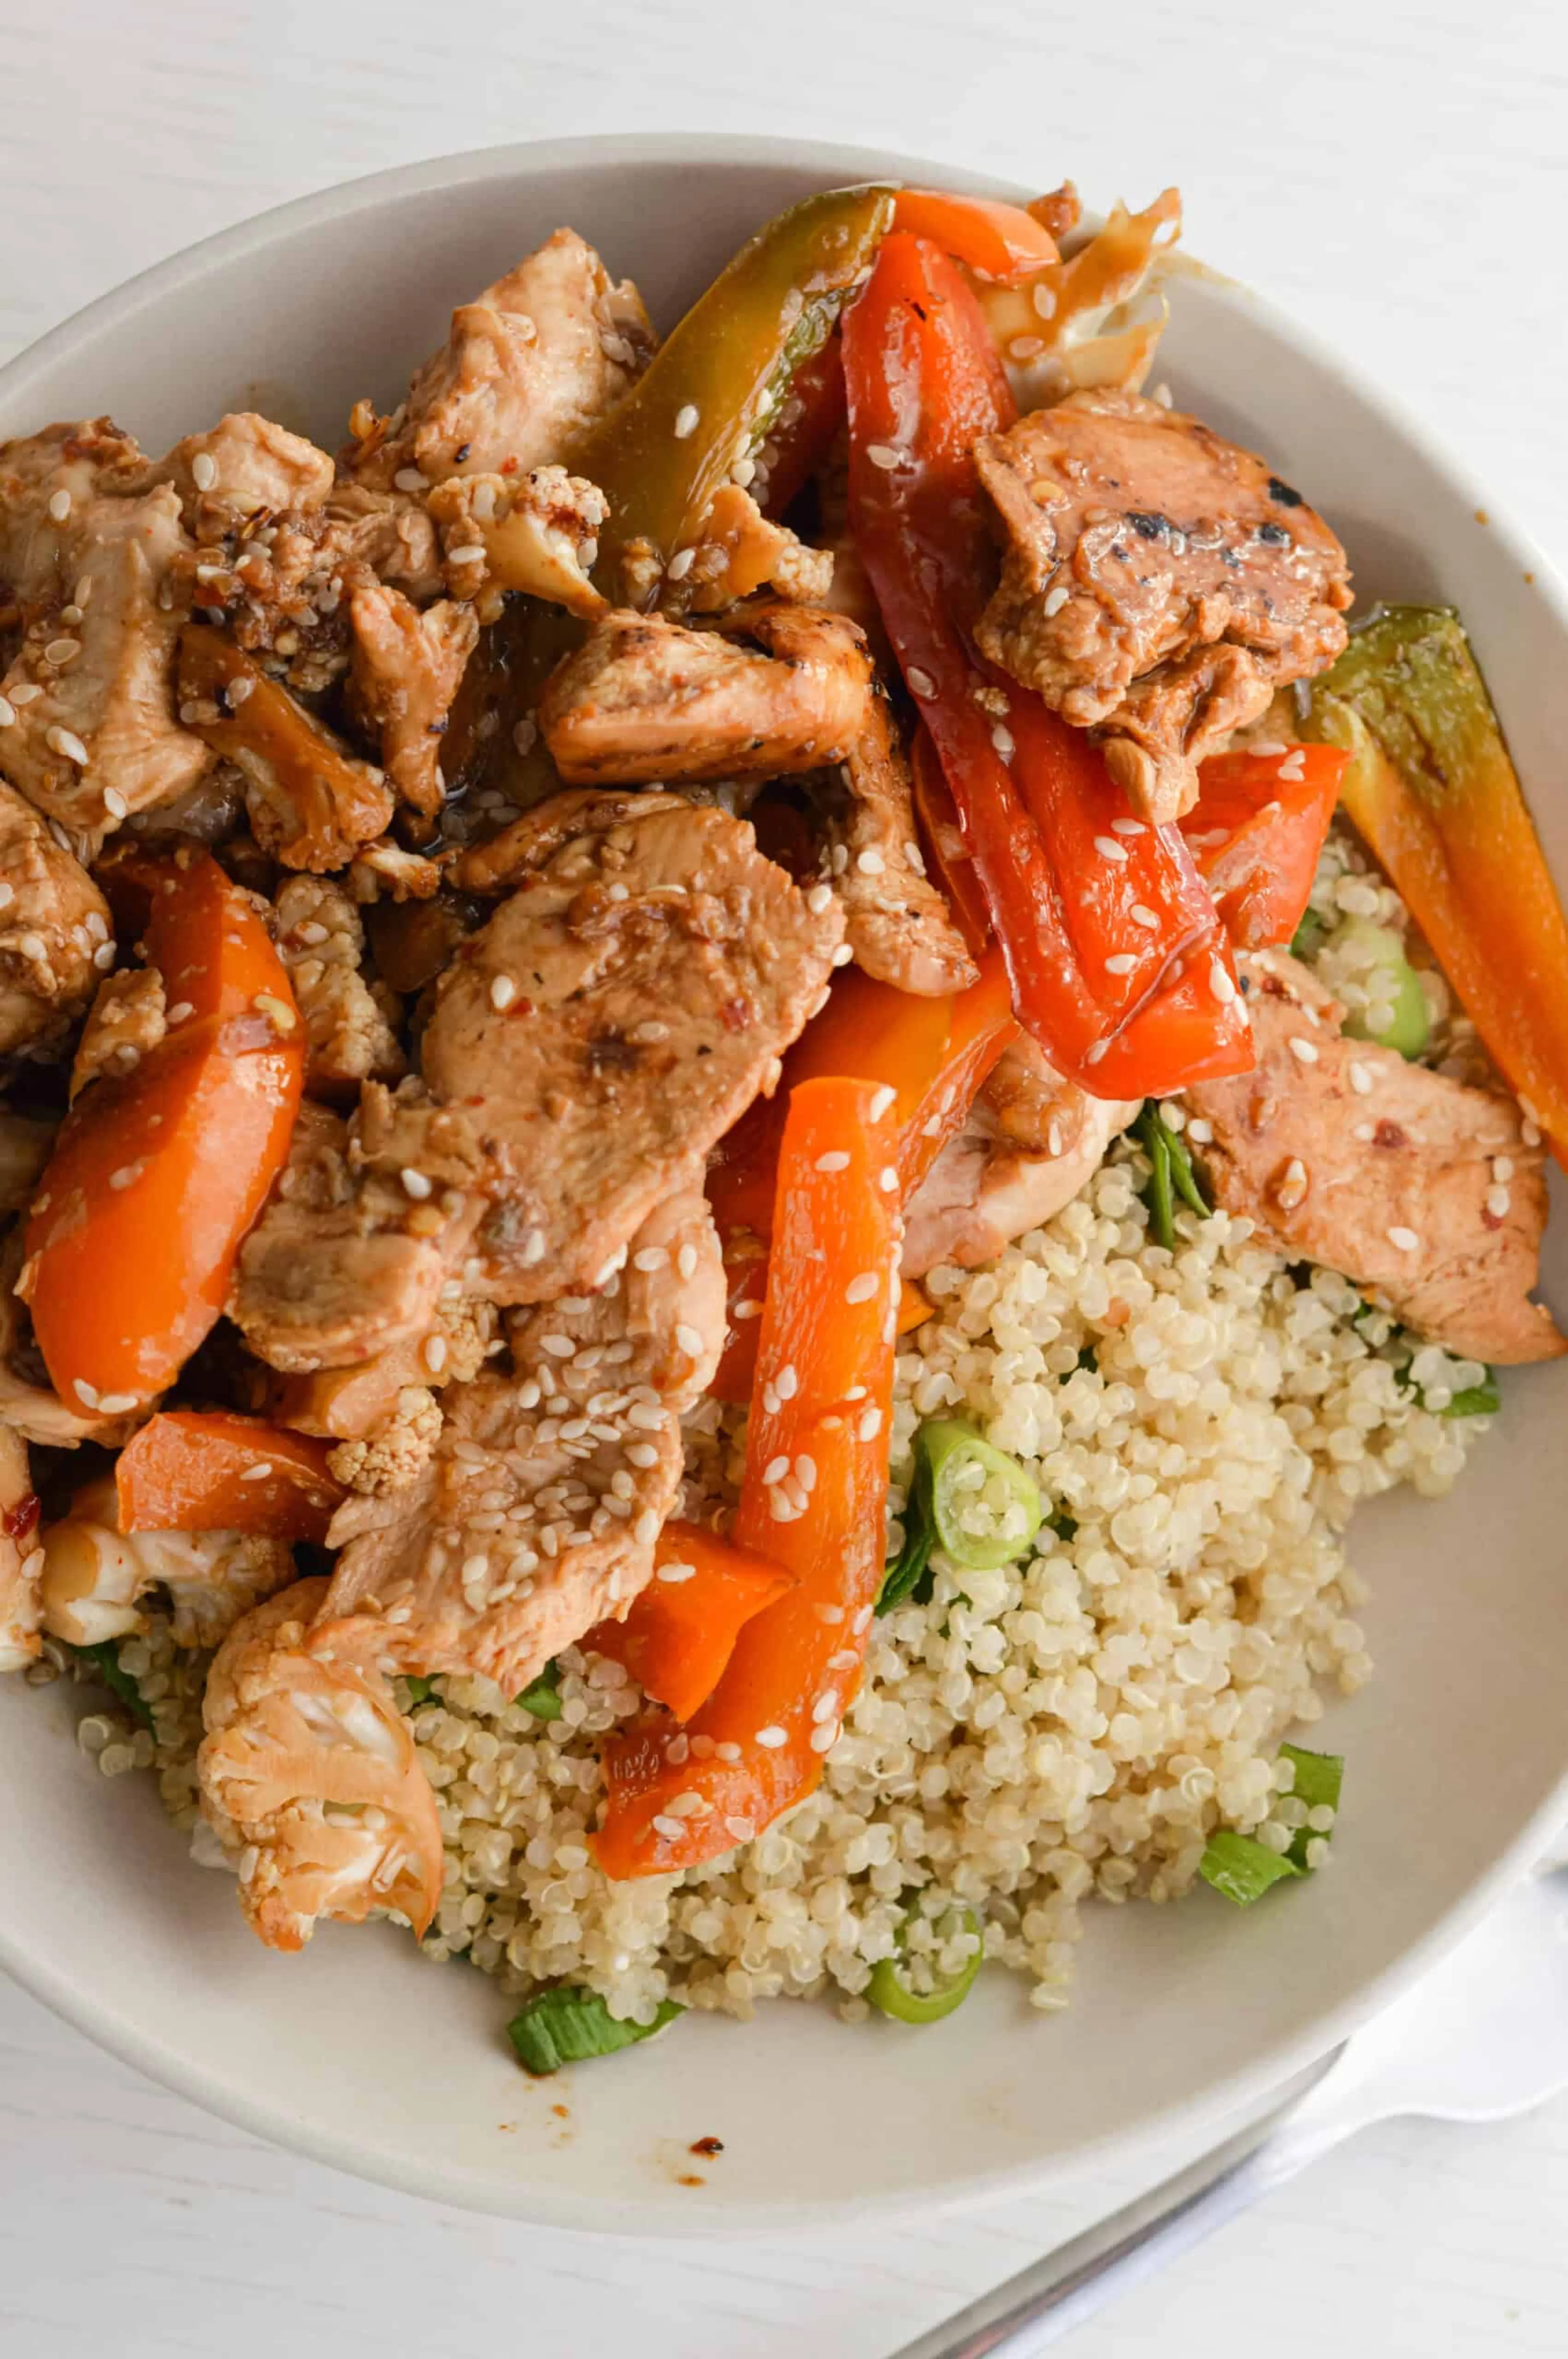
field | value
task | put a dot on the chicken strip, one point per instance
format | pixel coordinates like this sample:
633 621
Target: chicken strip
551 1484
240 473
617 1014
21 1558
1158 583
645 699
88 728
54 926
1032 1140
898 925
529 363
310 1778
1413 1185
406 668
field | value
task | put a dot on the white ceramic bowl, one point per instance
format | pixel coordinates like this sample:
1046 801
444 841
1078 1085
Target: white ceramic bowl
365 2056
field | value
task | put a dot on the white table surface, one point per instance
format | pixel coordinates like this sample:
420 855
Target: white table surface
1396 172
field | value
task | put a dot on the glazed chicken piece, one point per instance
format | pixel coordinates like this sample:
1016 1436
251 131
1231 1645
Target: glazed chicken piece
54 923
898 924
741 552
26 1146
311 802
1032 1142
405 669
310 1778
361 1404
21 1558
94 1576
1413 1185
347 1259
1158 583
241 473
529 363
645 699
537 533
617 1014
89 730
320 940
125 1019
551 1484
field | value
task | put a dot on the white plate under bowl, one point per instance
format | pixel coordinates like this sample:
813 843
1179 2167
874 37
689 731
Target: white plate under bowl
364 2055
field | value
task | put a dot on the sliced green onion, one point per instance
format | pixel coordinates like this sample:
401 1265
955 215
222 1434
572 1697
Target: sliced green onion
888 1987
1308 937
1242 1868
570 2024
420 1691
103 1661
909 1575
1409 1028
1065 1527
1171 1174
543 1697
1475 1400
1318 1778
952 1449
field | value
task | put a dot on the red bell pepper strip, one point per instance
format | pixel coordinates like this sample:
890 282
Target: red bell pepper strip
1255 832
1094 909
946 854
998 240
157 1173
205 1471
682 1628
813 1499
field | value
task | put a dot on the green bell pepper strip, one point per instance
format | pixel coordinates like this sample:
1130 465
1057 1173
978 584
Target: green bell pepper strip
889 1990
572 2025
707 396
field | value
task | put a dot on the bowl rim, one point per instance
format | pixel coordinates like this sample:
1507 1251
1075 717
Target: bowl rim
836 162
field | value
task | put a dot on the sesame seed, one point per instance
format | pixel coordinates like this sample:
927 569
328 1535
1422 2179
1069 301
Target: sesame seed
1044 300
671 1829
60 652
1110 849
1405 1240
1054 600
533 1248
559 1347
126 1176
1025 348
741 1829
1053 1137
116 1405
502 992
1095 1050
25 691
415 1183
861 1288
409 479
204 470
806 1473
1122 963
843 956
920 681
471 553
869 1426
66 742
435 1353
883 455
1360 1080
1529 1132
266 1003
1502 1167
115 802
257 1473
85 1393
772 1738
1141 915
686 417
1364 1131
1201 1133
7 713
786 1384
690 1341
1224 990
1304 1051
1497 1202
1002 739
645 1530
823 1739
882 1103
870 863
60 506
827 1704
1127 827
680 564
836 1160
886 1179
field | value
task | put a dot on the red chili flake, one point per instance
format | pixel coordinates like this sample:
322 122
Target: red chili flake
22 1519
1490 1220
709 2145
1388 1133
736 1014
690 2178
509 466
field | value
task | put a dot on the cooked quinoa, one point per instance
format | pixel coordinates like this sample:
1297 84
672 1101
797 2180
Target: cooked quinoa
1201 1425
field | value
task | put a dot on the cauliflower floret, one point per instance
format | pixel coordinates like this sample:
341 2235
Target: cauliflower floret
399 1452
309 1776
94 1575
322 942
21 1558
